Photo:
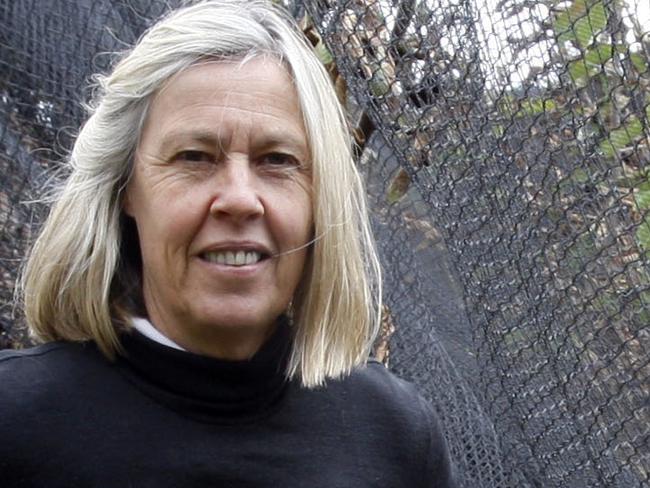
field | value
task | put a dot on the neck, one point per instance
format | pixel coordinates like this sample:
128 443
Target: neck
227 343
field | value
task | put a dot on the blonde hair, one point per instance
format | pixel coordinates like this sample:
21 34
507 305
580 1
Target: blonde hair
78 278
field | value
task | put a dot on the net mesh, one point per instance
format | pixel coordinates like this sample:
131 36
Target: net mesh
505 147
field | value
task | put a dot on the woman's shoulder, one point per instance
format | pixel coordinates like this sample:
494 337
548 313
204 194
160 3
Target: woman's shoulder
387 391
415 417
45 371
374 399
34 360
373 411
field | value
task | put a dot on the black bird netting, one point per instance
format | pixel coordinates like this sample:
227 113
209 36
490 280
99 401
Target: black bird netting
506 150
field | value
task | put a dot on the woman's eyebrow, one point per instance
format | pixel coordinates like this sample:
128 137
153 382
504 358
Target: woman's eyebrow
173 139
284 139
275 138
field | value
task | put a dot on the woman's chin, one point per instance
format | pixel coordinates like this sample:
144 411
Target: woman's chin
233 330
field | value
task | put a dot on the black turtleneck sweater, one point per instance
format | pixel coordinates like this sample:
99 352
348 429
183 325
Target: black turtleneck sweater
163 418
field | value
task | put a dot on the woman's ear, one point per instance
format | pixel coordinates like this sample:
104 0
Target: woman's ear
126 201
126 191
126 194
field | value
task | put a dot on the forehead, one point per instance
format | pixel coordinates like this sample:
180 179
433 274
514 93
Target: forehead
219 97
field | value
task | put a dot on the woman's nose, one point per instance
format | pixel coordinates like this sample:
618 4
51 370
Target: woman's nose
237 195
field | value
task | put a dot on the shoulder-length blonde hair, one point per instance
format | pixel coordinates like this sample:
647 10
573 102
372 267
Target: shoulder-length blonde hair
78 282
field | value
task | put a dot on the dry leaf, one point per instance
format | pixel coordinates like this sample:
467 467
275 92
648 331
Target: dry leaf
398 187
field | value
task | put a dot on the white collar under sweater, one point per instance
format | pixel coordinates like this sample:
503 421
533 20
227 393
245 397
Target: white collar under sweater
147 329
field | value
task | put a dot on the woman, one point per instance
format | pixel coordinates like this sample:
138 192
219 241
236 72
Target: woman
206 284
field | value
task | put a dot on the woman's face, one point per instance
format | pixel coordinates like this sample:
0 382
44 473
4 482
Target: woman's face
221 198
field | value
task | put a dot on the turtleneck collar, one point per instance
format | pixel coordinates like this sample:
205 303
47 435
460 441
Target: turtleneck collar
209 389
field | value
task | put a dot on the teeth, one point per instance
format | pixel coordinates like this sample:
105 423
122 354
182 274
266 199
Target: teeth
233 258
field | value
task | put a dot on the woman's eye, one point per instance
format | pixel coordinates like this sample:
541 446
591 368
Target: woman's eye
193 156
280 159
